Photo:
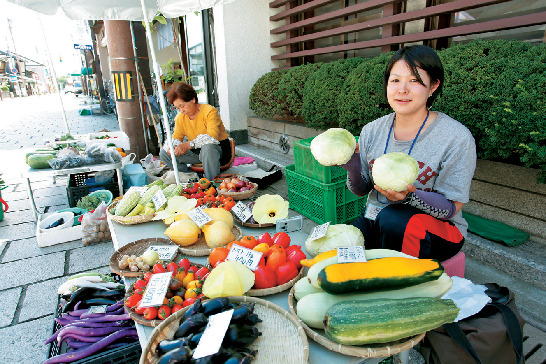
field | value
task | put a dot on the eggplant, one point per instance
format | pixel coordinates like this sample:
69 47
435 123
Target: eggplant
191 325
194 339
194 309
99 302
241 312
111 294
238 358
251 319
78 295
168 345
216 305
240 335
179 356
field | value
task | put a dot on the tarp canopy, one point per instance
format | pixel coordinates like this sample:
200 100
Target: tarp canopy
118 9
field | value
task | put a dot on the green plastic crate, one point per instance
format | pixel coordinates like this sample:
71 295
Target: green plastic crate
322 202
308 166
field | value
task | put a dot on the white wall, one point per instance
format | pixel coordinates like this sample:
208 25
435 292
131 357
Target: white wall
243 55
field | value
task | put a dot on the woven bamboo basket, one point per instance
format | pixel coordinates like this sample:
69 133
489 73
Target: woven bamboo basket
370 351
200 248
276 289
135 248
124 220
245 195
282 337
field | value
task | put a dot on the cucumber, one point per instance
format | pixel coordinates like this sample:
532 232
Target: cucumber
42 152
39 161
385 320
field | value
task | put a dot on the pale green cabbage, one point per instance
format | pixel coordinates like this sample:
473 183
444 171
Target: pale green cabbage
336 236
395 171
333 147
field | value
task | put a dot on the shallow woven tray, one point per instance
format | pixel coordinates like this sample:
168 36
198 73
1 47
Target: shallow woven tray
369 351
282 337
123 220
247 224
135 248
201 248
241 195
276 289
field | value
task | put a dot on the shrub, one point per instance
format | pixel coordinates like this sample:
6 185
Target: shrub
262 98
320 107
290 90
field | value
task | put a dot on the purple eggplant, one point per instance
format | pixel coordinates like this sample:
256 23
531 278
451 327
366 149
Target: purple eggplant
87 332
216 305
191 325
194 309
179 356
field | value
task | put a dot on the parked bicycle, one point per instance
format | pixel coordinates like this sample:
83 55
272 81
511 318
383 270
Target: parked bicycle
108 104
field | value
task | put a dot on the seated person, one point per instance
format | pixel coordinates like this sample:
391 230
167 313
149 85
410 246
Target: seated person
208 141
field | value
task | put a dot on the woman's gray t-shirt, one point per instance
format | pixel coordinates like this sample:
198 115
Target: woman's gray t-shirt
445 152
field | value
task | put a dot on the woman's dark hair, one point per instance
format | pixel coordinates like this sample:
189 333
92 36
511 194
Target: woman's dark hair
183 91
418 56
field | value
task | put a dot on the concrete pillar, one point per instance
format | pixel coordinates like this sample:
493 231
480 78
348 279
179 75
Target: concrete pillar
120 49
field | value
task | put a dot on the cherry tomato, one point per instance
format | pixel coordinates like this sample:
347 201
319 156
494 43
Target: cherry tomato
176 307
140 283
133 301
175 284
188 302
282 239
140 290
150 313
147 276
184 263
201 272
218 254
158 268
164 312
192 293
194 284
173 268
176 300
189 277
249 240
140 310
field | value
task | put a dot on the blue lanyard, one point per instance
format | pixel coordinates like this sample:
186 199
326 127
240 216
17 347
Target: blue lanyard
414 140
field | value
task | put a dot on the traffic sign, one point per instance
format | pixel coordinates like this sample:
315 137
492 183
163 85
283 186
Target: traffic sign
14 71
13 78
83 46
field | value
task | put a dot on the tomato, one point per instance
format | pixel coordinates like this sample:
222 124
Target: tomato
192 293
150 313
200 295
201 273
264 278
159 268
273 248
164 312
189 277
286 272
147 276
184 263
138 309
169 294
200 201
179 293
133 301
188 302
218 254
140 283
173 268
180 275
249 240
176 307
193 269
276 258
140 290
176 300
282 239
194 284
296 256
175 284
265 238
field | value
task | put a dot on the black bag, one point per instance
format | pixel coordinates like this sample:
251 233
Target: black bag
493 335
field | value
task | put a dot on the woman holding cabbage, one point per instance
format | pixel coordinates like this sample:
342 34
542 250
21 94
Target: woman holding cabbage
414 164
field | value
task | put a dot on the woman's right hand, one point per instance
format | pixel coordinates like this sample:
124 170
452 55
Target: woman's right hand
181 148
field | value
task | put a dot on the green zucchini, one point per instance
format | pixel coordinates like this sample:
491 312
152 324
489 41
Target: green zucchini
385 320
378 274
312 307
40 152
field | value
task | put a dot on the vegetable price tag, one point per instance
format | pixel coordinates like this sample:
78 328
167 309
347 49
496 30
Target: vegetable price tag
248 257
166 252
159 199
242 211
141 190
156 290
199 217
319 231
97 309
214 333
350 254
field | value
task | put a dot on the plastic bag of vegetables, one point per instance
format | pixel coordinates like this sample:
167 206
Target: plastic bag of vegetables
336 235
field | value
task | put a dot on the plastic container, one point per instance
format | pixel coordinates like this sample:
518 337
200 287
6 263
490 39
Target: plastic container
134 175
119 138
81 184
67 216
322 202
307 165
77 214
104 195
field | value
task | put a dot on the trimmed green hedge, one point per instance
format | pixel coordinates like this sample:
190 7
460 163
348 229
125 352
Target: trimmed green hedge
495 88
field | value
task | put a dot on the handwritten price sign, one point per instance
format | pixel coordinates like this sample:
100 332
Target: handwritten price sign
199 217
319 231
166 252
350 254
159 199
242 211
156 290
247 257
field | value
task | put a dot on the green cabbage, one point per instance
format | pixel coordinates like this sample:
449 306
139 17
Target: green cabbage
333 147
395 171
336 235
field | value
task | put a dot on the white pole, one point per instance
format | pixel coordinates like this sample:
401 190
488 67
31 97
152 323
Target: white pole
56 83
160 91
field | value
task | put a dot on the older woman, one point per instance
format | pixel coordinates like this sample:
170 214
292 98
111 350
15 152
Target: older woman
207 139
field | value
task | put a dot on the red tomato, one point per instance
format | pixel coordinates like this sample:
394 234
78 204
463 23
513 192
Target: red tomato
164 312
193 269
140 290
296 256
140 283
176 307
286 272
133 301
147 276
140 310
292 248
282 239
265 238
184 263
158 268
200 274
150 313
188 302
264 278
173 268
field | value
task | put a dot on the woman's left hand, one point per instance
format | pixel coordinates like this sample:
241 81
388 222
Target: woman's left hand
393 195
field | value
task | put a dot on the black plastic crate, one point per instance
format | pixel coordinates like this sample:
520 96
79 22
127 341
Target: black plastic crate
77 187
127 354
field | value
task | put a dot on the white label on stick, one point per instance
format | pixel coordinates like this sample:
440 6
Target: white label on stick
242 211
213 335
350 254
97 309
199 217
248 257
159 199
319 231
166 252
156 290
